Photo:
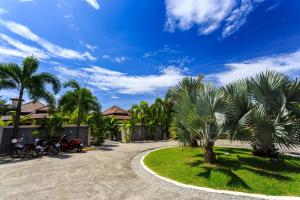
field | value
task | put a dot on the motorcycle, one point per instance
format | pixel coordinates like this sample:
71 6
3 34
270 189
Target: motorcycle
45 147
68 144
21 150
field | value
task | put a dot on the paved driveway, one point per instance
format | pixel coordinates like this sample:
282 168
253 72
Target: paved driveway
102 174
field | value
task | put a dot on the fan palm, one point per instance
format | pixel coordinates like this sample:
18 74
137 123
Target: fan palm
79 101
188 85
264 108
199 113
25 79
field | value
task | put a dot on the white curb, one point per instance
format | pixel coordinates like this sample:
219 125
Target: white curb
205 189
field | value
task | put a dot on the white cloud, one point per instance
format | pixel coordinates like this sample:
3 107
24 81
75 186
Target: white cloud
105 79
69 16
149 54
208 15
91 47
284 63
21 50
26 0
93 3
3 11
117 59
114 97
52 49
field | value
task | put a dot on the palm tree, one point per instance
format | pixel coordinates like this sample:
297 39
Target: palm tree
4 108
200 112
79 101
264 108
25 79
140 113
129 126
97 125
160 114
189 85
112 127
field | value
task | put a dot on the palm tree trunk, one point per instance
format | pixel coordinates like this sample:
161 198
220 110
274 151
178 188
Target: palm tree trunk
78 123
162 130
209 155
18 114
194 143
142 129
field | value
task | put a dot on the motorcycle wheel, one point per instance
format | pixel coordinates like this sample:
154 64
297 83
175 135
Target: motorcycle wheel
14 153
32 152
54 150
79 149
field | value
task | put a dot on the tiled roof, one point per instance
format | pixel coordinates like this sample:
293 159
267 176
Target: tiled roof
32 106
115 110
38 115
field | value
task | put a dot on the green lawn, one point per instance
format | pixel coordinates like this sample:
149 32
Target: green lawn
236 169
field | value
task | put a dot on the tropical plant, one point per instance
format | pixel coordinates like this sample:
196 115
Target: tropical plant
4 108
98 126
25 79
190 86
140 113
79 101
159 113
264 108
128 126
112 127
199 113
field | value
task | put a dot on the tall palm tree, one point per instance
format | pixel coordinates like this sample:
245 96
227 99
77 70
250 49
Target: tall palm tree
264 108
199 112
79 101
25 79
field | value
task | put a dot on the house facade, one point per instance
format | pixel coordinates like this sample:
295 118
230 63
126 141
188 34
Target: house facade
33 112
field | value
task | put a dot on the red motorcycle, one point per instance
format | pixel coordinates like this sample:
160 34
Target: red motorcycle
68 144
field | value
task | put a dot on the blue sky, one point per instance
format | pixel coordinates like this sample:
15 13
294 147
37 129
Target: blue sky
127 50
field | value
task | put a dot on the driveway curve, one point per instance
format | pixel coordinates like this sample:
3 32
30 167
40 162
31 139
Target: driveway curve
102 174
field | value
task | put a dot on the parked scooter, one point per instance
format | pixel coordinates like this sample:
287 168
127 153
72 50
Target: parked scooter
45 147
68 144
21 150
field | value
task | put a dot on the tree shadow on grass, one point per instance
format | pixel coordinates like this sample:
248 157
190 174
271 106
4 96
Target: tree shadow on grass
268 174
234 180
265 164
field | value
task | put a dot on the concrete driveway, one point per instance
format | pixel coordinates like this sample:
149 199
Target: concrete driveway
101 174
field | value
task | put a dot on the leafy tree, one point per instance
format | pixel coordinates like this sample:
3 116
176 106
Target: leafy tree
25 79
80 101
199 112
264 108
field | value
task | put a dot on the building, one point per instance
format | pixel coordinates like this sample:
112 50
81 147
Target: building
117 112
32 112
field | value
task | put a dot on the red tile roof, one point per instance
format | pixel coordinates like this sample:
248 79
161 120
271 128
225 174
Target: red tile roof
32 106
117 112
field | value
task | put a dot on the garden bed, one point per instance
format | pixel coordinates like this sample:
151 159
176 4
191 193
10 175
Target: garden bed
236 169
